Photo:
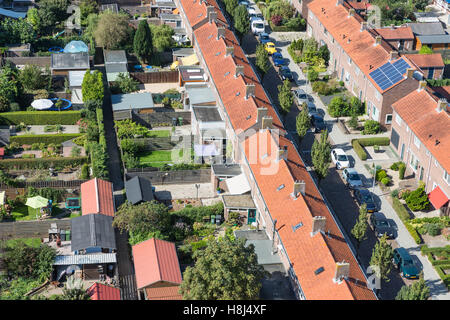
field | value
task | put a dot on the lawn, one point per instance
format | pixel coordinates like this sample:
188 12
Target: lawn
23 212
159 133
32 242
157 158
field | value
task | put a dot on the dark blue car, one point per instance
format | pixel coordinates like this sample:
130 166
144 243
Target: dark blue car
278 59
264 38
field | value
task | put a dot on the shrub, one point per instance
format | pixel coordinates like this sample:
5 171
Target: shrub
359 149
413 232
371 127
417 200
338 107
353 123
28 155
14 107
43 138
400 209
40 117
85 171
394 166
276 20
42 163
401 171
380 141
394 193
433 229
313 75
322 88
40 94
381 174
385 181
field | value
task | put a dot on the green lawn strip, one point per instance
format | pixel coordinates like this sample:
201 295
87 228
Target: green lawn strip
33 242
159 133
23 212
157 158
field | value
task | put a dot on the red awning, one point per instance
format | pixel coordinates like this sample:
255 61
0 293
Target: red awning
437 198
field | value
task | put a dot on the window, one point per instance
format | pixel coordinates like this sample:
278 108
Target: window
349 61
447 177
356 70
435 162
322 43
407 129
388 118
377 95
416 141
398 119
375 113
347 76
325 32
414 162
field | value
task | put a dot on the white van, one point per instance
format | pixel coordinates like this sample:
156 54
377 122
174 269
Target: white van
257 26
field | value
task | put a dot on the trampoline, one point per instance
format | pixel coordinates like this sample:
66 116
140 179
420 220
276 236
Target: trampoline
55 49
73 203
54 108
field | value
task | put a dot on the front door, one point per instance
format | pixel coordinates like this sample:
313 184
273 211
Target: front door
421 174
403 151
251 216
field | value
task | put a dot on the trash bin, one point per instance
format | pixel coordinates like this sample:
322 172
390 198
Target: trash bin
67 235
212 219
174 122
180 121
63 235
218 219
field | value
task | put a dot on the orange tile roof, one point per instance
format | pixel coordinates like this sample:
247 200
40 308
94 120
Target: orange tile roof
154 261
196 11
396 33
100 291
418 111
343 28
97 197
164 293
426 60
306 253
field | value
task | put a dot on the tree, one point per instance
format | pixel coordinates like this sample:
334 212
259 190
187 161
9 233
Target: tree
126 84
92 86
324 53
262 59
34 19
51 13
112 30
425 50
285 96
417 291
16 31
382 256
338 107
74 290
230 5
32 78
162 37
320 153
313 75
10 86
5 105
224 270
87 7
241 21
280 8
303 121
143 221
142 43
359 230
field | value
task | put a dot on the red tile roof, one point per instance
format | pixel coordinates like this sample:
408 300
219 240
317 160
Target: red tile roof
100 291
361 48
97 197
164 293
315 251
437 198
418 111
426 60
154 261
396 33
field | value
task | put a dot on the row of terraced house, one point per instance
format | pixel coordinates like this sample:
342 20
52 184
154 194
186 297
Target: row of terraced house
290 207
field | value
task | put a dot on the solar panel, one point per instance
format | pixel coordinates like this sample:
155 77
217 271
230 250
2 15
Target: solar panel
389 74
401 65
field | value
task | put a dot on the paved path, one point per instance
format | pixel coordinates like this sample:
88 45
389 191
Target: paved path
31 229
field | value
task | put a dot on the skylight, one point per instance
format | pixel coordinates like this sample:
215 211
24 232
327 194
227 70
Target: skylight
298 225
280 187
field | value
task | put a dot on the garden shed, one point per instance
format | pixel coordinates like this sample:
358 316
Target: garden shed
92 233
97 197
62 63
139 189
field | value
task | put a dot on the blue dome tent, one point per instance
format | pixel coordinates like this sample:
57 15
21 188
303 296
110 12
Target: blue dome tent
75 47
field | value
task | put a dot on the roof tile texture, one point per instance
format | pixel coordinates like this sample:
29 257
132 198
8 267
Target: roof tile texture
100 291
97 197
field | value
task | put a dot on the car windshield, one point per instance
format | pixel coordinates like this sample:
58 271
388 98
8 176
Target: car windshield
353 176
342 157
408 262
366 197
382 223
258 25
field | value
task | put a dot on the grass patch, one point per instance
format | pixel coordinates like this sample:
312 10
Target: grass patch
23 213
32 242
159 134
158 158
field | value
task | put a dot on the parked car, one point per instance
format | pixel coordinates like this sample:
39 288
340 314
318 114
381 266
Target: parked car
312 107
244 3
264 38
285 73
278 59
404 262
317 122
270 48
380 225
259 15
257 26
352 178
251 10
300 96
339 158
365 196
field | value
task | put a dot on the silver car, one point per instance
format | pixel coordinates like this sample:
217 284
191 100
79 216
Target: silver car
351 178
300 96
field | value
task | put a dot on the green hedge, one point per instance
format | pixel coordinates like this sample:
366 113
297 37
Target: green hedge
44 138
403 214
359 143
359 149
40 117
42 163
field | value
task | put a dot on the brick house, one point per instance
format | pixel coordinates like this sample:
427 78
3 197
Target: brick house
430 65
420 136
359 56
400 38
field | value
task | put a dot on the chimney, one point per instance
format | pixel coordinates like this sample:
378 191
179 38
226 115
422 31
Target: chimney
409 73
342 271
299 188
351 12
260 113
339 2
220 32
266 123
239 70
212 17
249 90
422 85
377 40
364 26
282 153
229 51
319 223
393 55
441 105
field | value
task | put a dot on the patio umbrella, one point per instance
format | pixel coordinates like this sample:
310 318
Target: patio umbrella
42 104
37 202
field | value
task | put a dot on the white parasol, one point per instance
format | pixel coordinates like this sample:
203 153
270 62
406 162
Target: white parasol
42 104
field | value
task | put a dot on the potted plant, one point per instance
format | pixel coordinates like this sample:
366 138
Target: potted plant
376 148
219 191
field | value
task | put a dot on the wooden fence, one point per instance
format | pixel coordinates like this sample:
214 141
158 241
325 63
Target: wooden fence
172 177
155 77
71 184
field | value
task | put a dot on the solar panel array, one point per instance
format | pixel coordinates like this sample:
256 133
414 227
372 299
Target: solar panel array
389 74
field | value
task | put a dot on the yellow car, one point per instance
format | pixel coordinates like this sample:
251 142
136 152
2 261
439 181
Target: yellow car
270 48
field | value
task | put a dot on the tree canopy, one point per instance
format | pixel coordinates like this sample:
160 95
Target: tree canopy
16 31
359 230
224 270
285 96
112 30
92 86
262 59
142 44
417 291
303 121
320 153
162 37
241 20
382 256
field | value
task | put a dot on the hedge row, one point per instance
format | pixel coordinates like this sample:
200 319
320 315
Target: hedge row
43 138
403 214
359 143
439 265
40 117
42 163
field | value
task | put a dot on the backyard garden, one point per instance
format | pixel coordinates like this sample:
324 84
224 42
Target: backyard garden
282 16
